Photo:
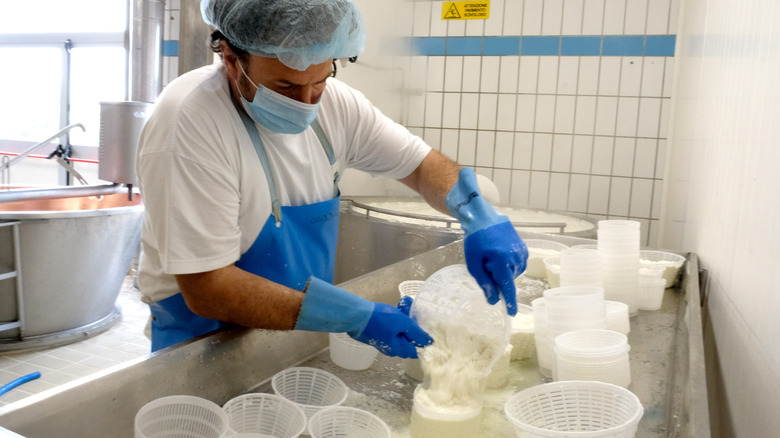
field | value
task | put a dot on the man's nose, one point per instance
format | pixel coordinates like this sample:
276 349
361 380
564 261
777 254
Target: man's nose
308 94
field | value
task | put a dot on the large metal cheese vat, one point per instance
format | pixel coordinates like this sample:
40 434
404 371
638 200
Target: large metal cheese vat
378 231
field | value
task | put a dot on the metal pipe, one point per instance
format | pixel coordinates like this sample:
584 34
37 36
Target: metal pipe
146 39
34 147
60 192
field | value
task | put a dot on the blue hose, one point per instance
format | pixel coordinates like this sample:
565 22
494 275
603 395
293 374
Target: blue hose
19 381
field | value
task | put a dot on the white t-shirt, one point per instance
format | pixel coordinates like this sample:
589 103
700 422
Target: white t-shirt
204 188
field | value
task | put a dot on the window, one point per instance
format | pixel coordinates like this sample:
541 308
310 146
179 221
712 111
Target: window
39 70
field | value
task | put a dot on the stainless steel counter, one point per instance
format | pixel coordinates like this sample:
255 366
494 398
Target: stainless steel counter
666 359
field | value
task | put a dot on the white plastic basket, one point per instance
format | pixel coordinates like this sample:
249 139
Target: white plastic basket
410 288
265 414
342 421
581 409
180 415
349 353
670 262
311 389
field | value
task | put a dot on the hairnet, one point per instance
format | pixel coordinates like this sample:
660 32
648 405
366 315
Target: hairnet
299 33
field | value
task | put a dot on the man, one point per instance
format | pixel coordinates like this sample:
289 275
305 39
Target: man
239 167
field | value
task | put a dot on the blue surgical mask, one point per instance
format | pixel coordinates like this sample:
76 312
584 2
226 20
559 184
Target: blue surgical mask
276 112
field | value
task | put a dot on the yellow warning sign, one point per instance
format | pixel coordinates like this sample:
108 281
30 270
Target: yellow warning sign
468 10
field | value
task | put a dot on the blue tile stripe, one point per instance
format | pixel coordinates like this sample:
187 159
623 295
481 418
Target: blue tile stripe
170 48
607 45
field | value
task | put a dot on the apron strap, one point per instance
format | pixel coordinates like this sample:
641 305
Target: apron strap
257 142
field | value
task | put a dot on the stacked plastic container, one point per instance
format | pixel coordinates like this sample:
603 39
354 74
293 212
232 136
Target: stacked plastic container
600 355
580 267
618 245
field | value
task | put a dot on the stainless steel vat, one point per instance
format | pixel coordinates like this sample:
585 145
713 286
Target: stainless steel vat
372 236
667 362
70 261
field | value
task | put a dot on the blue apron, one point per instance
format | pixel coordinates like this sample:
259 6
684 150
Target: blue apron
286 252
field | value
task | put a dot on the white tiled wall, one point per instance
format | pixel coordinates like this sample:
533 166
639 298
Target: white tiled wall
585 134
723 200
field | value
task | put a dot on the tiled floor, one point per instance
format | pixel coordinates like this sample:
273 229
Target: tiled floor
59 365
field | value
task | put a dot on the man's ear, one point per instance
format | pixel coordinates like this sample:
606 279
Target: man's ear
231 61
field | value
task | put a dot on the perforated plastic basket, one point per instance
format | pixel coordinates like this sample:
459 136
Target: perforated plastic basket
180 415
267 414
410 287
581 409
311 388
342 421
349 353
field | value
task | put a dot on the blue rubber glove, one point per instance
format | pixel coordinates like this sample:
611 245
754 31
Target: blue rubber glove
495 254
328 308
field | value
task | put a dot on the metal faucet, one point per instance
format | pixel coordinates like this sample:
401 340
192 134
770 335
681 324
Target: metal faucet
7 164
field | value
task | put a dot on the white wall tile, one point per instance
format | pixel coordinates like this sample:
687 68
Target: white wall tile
559 191
653 71
173 26
467 147
540 187
449 143
527 77
469 110
660 164
521 182
490 73
658 17
508 74
475 27
641 197
668 75
418 68
526 113
572 17
432 137
564 114
435 73
582 152
486 143
609 76
561 153
421 19
487 111
504 149
636 17
494 25
552 17
649 115
568 75
614 13
585 116
532 17
578 193
472 70
451 111
588 81
502 178
645 157
542 152
674 16
433 109
545 113
598 197
623 157
524 146
619 196
548 75
415 114
662 130
630 76
606 115
505 118
658 191
593 17
453 72
627 116
513 17
455 28
602 155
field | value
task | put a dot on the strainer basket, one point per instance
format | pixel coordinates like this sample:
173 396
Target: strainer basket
266 415
180 415
410 287
451 296
342 421
574 409
312 389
